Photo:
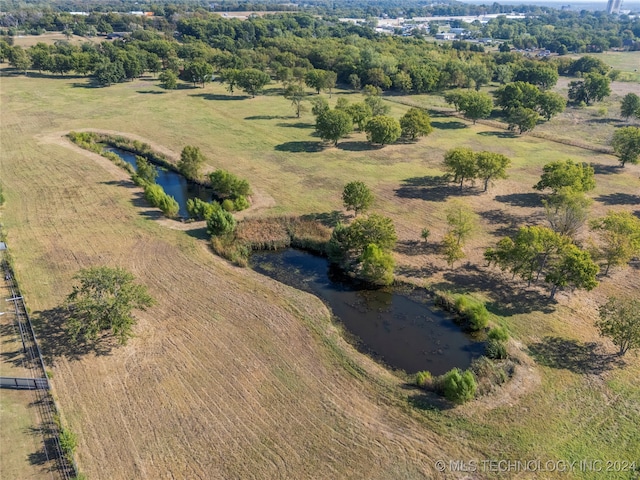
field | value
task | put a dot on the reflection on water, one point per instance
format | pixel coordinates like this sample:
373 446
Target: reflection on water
401 331
173 183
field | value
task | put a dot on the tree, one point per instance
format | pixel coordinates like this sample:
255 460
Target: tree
227 185
168 80
593 88
354 81
382 130
415 123
356 196
377 106
461 163
320 79
626 144
198 72
620 321
550 104
557 175
566 211
620 238
145 170
588 64
296 94
462 221
252 80
108 73
360 114
377 265
459 386
220 222
19 59
320 106
630 106
573 267
347 243
524 119
528 253
191 160
490 166
104 300
333 125
476 105
230 77
517 94
451 249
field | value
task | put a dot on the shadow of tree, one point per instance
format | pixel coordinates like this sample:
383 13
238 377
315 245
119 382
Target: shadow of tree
509 298
453 125
152 92
531 199
269 117
619 199
429 401
328 219
56 342
198 233
431 187
605 121
498 134
508 224
413 247
300 147
217 96
577 357
296 125
601 169
120 183
358 146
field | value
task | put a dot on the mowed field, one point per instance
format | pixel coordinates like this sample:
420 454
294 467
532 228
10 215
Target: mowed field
232 375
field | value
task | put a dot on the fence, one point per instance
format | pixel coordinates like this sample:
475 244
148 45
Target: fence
24 383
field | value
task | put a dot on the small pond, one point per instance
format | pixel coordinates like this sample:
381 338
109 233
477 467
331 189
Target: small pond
173 183
398 328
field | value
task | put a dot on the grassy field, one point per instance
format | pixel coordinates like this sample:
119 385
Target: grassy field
233 375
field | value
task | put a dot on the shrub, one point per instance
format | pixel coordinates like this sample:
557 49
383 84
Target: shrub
228 205
424 379
157 197
496 349
473 311
499 333
220 223
424 234
241 203
68 442
459 386
227 185
201 210
228 247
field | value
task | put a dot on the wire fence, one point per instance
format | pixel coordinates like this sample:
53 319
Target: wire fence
34 364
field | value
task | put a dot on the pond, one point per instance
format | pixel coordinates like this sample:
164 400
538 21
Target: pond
399 329
173 183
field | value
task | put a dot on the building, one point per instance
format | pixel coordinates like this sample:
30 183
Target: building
445 36
613 6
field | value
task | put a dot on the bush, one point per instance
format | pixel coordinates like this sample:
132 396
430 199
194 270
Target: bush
220 223
424 379
424 234
228 247
227 185
157 197
473 311
241 203
458 386
201 210
496 350
499 333
68 442
228 205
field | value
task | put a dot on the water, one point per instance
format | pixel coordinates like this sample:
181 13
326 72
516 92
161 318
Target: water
401 331
173 183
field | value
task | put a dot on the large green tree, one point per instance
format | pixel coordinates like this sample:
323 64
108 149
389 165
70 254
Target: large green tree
567 210
630 106
198 72
619 238
461 163
573 267
382 129
252 80
333 125
593 88
524 119
475 105
104 299
191 160
357 196
415 123
490 166
557 175
620 321
626 144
